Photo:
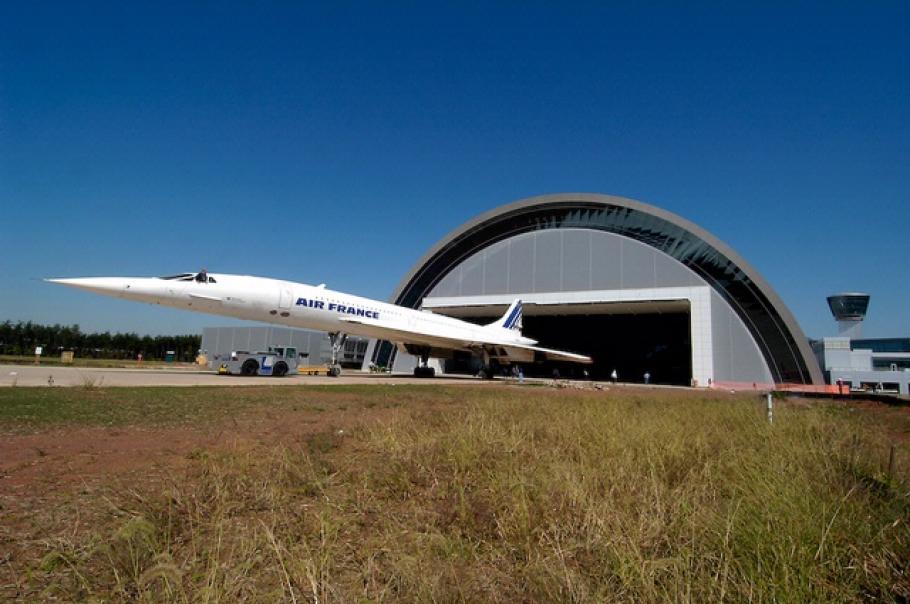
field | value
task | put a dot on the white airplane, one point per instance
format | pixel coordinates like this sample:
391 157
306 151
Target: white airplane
421 333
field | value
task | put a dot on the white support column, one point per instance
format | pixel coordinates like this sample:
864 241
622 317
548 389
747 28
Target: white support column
700 331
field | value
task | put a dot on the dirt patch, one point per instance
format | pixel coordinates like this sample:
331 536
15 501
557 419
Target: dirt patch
46 461
53 459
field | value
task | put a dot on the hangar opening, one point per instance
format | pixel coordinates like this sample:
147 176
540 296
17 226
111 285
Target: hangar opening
629 284
633 338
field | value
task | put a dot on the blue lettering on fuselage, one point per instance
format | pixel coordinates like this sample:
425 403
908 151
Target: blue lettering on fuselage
348 310
310 303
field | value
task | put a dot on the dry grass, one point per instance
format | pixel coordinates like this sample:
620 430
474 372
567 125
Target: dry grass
509 495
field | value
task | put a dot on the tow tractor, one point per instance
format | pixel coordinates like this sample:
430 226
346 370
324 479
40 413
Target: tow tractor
278 361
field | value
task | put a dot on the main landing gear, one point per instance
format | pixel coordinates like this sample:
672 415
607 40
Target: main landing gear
337 339
487 369
423 368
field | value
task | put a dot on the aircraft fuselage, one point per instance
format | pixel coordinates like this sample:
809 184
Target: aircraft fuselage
288 303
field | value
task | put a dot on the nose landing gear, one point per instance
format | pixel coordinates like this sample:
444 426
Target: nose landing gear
337 340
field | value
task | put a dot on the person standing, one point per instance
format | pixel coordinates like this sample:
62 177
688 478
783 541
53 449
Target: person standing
614 376
647 377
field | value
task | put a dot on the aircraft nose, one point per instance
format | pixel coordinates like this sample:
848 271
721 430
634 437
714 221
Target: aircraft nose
99 285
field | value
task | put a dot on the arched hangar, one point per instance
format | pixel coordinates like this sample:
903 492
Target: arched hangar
639 289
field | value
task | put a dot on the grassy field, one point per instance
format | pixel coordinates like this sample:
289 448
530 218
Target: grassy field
423 493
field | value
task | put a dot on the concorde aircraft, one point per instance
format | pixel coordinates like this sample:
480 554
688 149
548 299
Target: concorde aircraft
420 333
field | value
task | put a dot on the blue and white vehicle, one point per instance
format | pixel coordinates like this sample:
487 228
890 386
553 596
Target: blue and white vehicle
276 362
291 304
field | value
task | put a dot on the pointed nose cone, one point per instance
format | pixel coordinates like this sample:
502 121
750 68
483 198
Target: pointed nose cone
108 286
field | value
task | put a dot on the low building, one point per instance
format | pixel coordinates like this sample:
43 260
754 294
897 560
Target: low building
872 365
857 363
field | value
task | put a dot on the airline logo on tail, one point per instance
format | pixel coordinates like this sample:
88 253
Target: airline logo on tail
512 318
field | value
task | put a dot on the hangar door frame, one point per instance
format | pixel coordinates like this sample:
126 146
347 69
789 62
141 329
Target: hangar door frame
698 297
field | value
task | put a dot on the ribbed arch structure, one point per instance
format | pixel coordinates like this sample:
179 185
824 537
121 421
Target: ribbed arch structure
773 328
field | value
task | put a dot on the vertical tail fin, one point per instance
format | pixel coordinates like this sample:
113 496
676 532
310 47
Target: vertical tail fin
512 318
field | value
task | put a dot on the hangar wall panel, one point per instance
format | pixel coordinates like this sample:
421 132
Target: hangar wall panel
576 262
495 263
736 356
564 260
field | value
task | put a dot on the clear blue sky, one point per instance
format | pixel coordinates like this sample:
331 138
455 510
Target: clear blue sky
336 143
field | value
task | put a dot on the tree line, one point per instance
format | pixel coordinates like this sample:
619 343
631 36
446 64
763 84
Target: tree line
23 337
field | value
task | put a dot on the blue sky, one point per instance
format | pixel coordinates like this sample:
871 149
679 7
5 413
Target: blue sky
337 142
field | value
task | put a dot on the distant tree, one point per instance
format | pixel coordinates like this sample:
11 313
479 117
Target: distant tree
21 339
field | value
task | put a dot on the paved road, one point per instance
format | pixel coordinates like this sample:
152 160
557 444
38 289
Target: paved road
31 375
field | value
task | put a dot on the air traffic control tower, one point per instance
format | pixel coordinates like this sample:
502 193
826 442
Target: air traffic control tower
880 365
849 310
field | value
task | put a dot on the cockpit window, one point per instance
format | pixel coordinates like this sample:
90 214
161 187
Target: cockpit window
201 277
